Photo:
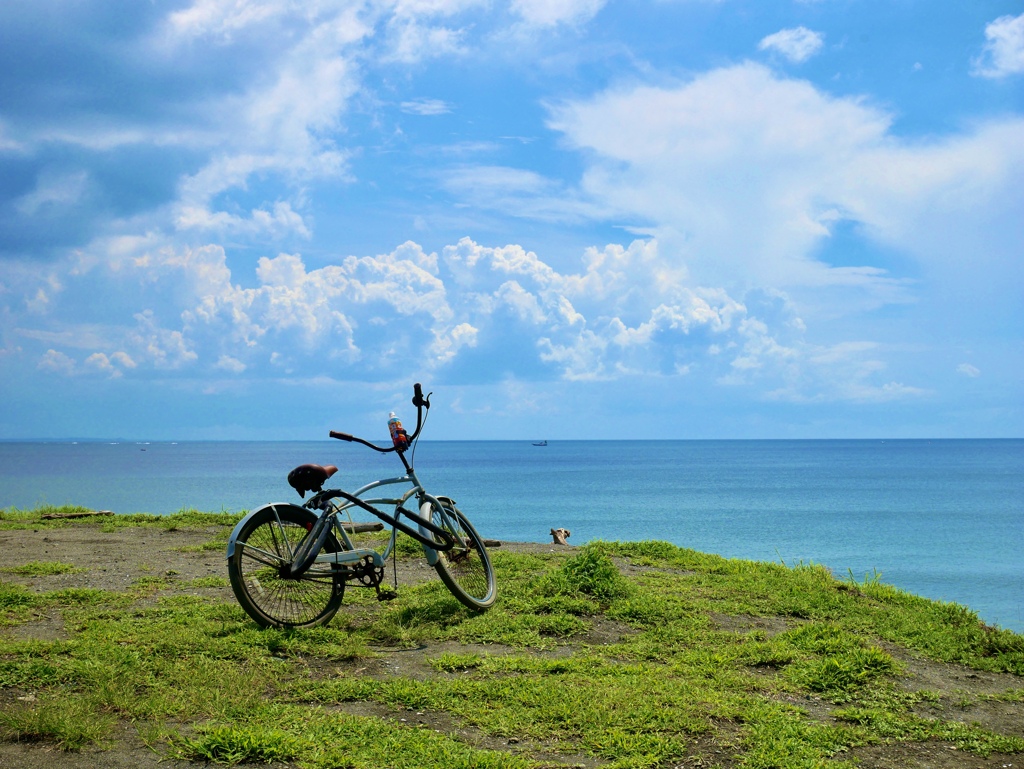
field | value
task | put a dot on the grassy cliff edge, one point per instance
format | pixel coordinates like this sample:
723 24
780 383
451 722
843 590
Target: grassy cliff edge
121 644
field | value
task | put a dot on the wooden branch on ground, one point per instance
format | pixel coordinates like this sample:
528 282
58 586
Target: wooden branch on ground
52 516
360 528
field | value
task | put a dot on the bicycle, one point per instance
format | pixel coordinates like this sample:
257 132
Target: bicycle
289 564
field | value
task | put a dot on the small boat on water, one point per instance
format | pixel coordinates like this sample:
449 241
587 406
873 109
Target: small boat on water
541 443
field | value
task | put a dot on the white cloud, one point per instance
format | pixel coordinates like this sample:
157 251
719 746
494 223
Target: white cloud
845 372
57 362
968 370
163 348
221 18
626 311
797 44
446 346
7 144
747 174
888 392
1003 53
112 366
425 107
228 363
99 363
281 121
520 193
412 42
547 13
278 223
123 360
56 188
428 8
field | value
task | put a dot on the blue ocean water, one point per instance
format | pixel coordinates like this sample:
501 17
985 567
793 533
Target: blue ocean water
943 519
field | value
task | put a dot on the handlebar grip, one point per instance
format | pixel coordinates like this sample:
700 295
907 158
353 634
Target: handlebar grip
342 436
417 395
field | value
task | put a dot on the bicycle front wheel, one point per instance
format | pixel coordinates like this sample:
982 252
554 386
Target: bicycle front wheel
465 569
260 570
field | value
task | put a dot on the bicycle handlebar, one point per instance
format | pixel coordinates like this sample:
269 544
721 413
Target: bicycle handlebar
418 400
417 397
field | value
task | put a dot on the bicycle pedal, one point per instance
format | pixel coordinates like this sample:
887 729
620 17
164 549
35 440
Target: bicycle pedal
386 595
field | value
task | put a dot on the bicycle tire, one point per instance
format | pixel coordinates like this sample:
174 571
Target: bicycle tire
466 569
260 568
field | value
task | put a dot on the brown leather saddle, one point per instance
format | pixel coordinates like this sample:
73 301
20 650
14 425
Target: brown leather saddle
310 478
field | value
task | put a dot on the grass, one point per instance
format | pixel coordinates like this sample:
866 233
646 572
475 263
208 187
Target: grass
14 518
576 661
42 569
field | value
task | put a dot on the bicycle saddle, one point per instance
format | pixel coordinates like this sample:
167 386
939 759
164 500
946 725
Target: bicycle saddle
310 478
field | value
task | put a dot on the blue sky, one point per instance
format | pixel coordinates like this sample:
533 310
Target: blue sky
568 218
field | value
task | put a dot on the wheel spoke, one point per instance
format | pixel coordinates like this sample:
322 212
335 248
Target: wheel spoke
261 581
253 552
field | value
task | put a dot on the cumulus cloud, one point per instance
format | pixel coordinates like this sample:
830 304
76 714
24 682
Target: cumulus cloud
57 362
747 173
488 312
1003 54
112 366
623 313
230 364
797 44
100 363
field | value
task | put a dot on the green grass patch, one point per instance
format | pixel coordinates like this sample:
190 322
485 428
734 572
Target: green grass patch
576 662
208 582
589 573
219 544
69 723
15 518
238 744
42 569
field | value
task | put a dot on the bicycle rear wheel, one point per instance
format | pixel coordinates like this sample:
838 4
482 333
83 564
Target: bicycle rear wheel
465 569
260 570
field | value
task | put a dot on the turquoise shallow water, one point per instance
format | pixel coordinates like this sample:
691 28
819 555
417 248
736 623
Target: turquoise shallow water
944 519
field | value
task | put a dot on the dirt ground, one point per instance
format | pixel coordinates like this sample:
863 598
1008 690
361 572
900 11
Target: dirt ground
114 561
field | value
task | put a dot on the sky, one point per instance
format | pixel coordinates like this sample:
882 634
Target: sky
569 219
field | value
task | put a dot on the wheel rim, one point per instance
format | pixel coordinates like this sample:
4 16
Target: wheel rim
262 567
465 562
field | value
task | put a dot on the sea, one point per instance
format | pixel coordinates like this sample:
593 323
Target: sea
939 518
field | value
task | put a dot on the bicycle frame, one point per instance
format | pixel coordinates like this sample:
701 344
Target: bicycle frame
425 533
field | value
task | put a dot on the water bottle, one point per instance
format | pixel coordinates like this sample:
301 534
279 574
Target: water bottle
398 435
